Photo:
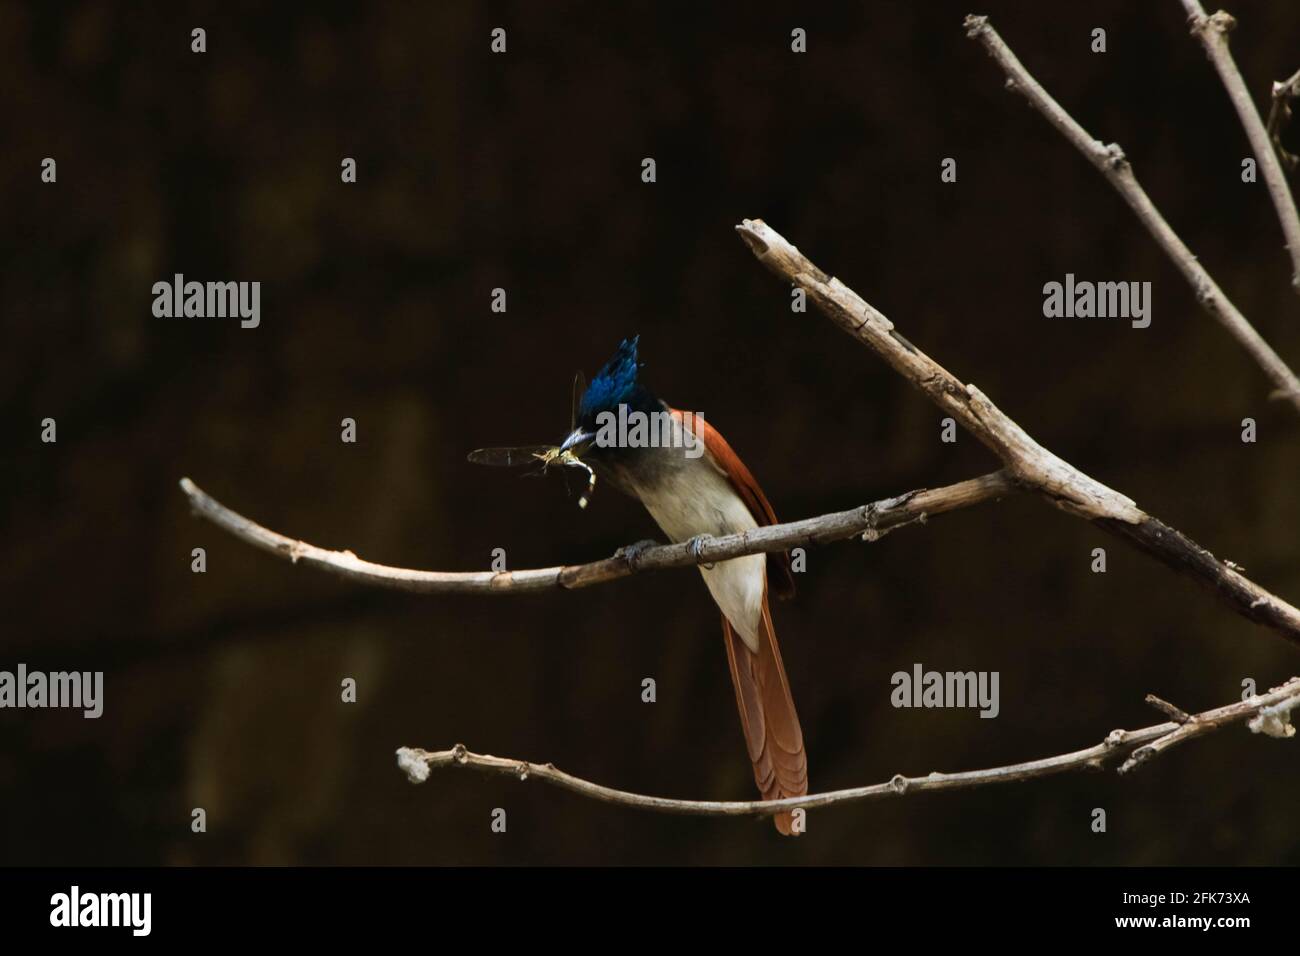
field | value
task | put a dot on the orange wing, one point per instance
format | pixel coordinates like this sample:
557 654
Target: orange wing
767 715
779 576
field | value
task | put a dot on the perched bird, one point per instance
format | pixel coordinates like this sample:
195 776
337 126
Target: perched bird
693 485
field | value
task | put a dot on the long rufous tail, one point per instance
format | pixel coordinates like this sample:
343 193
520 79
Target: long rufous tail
768 717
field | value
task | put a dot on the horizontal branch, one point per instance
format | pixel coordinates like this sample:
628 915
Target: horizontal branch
1028 462
417 763
1111 163
1213 31
870 521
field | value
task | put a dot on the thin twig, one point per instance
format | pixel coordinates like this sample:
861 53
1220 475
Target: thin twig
1213 31
1279 117
1027 461
1112 164
871 521
1176 714
418 763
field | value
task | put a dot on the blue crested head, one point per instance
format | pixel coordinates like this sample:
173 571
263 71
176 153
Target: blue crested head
614 385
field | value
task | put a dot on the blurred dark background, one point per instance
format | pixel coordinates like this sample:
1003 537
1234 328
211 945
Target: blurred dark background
523 171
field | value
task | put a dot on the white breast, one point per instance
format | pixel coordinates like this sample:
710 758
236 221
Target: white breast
695 498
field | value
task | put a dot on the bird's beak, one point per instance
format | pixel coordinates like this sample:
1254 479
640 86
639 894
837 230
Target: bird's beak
577 441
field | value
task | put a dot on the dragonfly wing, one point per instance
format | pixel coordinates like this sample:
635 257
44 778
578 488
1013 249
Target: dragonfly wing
508 457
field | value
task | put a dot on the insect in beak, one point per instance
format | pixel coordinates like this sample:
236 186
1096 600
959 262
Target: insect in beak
565 456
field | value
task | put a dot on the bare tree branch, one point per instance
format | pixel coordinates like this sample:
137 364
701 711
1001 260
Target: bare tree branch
1213 31
418 763
1111 163
870 521
1027 461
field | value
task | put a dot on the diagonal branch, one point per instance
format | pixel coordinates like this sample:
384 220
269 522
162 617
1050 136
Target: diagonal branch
1213 31
870 521
1028 462
1111 163
1280 700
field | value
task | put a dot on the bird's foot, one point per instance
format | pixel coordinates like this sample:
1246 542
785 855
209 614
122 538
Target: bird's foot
630 552
696 547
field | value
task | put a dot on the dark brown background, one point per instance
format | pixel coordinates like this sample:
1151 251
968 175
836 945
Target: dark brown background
522 171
